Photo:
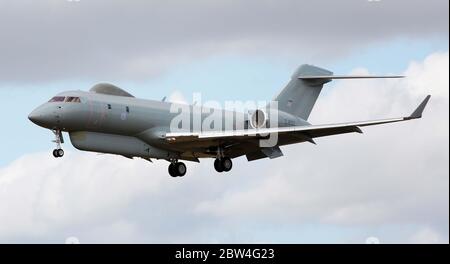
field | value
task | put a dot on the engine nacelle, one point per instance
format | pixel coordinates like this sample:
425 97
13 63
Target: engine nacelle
258 119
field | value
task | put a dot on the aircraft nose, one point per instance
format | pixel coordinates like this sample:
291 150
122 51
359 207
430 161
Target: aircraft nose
39 117
35 117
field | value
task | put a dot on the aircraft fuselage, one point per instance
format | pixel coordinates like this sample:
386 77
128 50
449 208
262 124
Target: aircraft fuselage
134 127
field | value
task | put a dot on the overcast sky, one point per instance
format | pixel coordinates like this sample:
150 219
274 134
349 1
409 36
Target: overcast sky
391 182
50 40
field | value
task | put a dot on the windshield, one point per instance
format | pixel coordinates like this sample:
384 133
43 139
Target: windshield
66 99
57 99
71 99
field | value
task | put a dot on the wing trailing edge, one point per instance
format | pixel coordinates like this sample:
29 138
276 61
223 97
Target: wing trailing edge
310 131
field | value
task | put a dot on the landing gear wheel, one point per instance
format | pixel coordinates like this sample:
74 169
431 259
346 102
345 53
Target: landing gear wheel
218 165
177 169
227 164
223 165
58 153
172 171
180 169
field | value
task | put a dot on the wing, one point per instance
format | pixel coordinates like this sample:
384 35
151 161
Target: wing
245 141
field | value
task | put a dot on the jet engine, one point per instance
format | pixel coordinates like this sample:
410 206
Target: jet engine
258 119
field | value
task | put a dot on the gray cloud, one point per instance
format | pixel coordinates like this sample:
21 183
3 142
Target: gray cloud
56 39
392 182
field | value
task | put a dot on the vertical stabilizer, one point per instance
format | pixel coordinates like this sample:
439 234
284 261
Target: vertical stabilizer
300 95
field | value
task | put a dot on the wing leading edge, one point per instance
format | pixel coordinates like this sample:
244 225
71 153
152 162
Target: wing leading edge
309 132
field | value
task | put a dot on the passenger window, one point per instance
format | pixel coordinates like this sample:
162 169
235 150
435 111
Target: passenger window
57 99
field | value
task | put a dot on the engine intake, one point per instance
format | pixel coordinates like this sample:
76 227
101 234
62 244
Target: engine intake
258 119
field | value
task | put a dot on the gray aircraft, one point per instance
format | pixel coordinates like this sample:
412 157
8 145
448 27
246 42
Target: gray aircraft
108 119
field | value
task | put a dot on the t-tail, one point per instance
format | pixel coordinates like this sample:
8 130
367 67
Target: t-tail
301 93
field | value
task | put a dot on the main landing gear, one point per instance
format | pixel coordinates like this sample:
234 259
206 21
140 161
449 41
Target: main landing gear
177 169
223 164
58 152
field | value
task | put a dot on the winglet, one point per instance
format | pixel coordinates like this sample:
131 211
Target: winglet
419 110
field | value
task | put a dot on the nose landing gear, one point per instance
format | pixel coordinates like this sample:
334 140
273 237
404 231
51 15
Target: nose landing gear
58 152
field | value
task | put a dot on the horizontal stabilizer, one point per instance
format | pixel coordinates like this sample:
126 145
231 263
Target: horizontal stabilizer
336 77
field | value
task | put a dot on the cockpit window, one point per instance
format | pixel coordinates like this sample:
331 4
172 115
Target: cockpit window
57 99
71 99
